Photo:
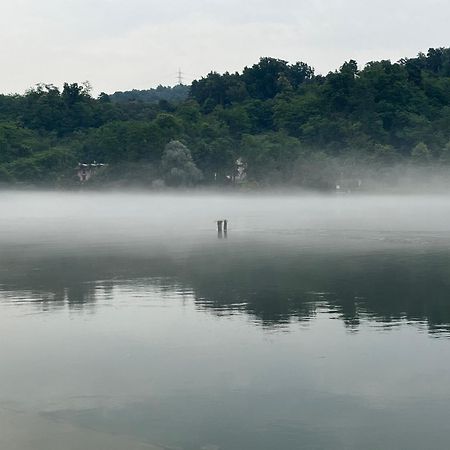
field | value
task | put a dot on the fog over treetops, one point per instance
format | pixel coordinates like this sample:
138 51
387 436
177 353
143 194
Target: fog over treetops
271 124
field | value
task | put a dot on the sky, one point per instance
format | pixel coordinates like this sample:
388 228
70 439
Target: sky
138 44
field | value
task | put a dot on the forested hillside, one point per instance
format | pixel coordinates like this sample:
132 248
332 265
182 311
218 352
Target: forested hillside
282 122
174 94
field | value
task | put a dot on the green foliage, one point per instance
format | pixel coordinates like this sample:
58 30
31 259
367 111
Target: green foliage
174 94
52 164
125 174
445 154
269 157
216 158
17 142
177 165
124 141
5 176
316 171
285 123
421 154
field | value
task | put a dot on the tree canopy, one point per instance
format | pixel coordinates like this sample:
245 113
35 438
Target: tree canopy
280 120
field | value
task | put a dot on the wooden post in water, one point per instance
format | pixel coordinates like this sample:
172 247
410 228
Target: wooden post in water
219 229
225 225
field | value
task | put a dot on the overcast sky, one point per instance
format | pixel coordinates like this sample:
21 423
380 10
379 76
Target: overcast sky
120 45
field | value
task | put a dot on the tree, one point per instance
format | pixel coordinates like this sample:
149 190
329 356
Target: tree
269 157
177 165
445 154
5 176
421 154
270 115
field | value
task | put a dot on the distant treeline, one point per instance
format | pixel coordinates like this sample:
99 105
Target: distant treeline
174 94
274 123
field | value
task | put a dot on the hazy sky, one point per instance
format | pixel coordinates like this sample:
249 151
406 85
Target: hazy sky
119 45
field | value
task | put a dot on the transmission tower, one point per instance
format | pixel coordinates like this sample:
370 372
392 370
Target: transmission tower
180 76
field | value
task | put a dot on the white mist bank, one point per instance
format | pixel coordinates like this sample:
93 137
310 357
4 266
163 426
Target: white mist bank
89 217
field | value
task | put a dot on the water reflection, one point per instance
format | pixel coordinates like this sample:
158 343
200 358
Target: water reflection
124 331
274 284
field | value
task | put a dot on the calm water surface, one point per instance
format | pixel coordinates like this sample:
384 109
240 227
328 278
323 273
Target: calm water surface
126 322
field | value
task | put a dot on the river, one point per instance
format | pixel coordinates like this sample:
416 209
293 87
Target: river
315 322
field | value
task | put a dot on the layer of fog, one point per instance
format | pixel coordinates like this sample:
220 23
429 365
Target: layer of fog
74 220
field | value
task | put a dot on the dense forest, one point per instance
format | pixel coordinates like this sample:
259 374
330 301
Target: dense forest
274 123
174 94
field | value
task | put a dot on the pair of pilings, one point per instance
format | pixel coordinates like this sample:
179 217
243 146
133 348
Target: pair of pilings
222 225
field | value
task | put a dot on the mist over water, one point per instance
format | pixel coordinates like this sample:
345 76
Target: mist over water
317 321
86 216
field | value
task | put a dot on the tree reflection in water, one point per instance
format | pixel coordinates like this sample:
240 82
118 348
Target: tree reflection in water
273 284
